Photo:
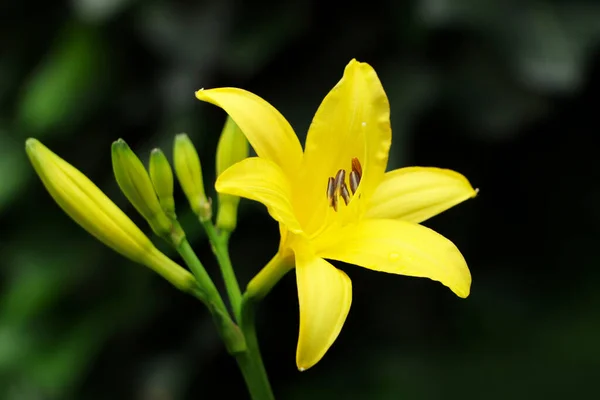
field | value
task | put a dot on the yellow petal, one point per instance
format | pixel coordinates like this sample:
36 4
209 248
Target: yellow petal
400 247
352 121
261 180
418 193
325 295
266 129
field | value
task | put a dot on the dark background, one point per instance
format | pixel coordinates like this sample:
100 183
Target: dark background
505 92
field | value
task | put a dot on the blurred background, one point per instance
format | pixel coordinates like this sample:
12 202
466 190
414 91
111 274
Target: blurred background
505 92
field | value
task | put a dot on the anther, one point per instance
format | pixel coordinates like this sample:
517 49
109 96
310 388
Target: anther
334 202
340 177
357 167
330 191
337 187
344 193
354 181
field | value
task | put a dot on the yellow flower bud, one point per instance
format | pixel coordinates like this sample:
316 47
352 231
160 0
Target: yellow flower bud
232 148
161 175
96 213
136 185
189 173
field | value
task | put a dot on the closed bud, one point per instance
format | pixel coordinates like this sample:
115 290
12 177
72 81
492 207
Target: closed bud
135 183
161 175
189 173
232 148
89 207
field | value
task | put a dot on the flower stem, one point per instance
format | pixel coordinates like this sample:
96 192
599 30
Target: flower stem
193 262
250 362
209 295
219 243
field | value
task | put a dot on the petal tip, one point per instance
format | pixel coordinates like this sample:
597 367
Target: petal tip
303 364
199 93
34 148
462 291
30 142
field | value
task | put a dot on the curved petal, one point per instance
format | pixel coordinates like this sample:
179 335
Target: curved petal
325 295
416 194
266 129
400 247
261 180
352 121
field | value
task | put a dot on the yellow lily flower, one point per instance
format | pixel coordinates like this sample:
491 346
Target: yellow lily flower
335 200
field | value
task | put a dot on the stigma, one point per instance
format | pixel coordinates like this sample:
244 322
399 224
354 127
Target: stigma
336 186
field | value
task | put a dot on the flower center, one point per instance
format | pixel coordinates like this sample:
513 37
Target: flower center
336 186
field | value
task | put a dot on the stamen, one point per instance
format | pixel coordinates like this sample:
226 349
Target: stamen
357 167
344 193
340 177
334 202
337 187
354 180
330 191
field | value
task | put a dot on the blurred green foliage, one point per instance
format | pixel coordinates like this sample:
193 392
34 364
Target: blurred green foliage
503 91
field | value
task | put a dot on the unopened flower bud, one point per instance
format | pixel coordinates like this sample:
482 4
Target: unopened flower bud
189 173
161 175
232 148
135 183
89 207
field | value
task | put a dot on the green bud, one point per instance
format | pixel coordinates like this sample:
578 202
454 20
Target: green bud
136 185
232 148
87 205
161 175
189 174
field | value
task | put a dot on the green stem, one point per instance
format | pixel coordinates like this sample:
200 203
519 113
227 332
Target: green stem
209 295
250 362
219 244
193 262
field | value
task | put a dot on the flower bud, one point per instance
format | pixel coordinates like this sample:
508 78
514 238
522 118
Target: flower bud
89 207
232 148
189 173
136 185
161 175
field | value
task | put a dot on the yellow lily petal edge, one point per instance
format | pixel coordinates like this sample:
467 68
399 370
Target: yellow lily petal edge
353 121
416 194
325 296
261 180
269 133
400 247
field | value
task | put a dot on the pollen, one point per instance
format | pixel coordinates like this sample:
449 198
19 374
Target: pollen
337 187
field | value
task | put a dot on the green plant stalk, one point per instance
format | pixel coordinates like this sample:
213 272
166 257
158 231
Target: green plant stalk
248 357
219 243
209 295
250 361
